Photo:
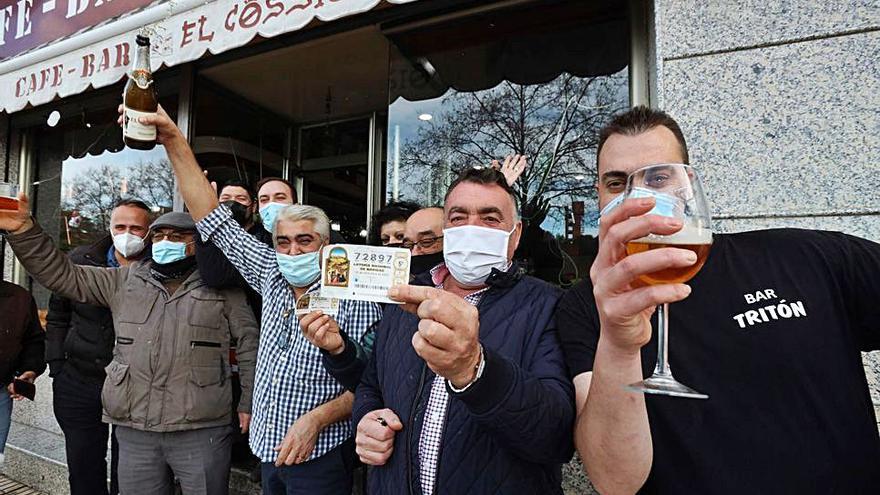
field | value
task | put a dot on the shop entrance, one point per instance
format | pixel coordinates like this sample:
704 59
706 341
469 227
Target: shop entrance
313 113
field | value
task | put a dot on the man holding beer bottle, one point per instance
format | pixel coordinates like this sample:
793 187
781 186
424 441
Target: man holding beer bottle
771 329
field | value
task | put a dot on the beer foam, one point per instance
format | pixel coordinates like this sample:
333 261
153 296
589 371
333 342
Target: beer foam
687 235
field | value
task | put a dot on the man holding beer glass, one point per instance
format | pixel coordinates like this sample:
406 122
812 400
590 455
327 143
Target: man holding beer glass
770 328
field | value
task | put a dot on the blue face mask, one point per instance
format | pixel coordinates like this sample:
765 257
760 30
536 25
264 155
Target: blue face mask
165 252
269 213
664 204
300 270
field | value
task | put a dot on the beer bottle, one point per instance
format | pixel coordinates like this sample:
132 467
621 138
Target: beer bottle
139 100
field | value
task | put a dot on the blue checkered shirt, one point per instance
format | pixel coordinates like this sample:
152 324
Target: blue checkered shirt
290 379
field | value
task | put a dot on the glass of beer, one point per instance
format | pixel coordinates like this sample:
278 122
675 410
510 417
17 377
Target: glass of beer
678 193
8 196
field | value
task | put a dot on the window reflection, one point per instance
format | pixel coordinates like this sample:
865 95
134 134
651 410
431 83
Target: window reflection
507 83
92 185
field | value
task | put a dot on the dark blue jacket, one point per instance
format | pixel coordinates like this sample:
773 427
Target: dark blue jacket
511 431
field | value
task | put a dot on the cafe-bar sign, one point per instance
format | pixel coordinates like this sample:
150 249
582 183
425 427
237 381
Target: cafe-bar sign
183 31
27 24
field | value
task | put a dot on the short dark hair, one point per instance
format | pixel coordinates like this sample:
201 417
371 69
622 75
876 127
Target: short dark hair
395 211
133 202
238 183
486 176
641 119
266 180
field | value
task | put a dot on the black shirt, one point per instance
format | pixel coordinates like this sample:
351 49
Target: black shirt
772 332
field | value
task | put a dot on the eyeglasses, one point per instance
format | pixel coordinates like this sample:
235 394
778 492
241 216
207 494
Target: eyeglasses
424 242
173 237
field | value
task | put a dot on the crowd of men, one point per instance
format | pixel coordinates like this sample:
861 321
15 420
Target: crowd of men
181 333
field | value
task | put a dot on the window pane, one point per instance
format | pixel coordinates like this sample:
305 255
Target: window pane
489 96
83 168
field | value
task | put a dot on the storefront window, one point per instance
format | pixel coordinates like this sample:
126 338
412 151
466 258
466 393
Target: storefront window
236 140
539 81
82 169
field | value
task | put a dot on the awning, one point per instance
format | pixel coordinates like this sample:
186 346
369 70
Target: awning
180 30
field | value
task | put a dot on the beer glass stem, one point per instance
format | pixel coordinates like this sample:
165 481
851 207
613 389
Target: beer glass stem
662 367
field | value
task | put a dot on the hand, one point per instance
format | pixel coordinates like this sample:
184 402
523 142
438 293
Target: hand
167 131
514 166
244 422
535 211
448 334
322 331
299 442
27 376
375 441
17 222
625 304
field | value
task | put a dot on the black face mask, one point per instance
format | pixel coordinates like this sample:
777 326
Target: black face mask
240 212
176 270
424 262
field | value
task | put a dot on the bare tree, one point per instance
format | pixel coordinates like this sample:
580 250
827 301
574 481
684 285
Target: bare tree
91 196
555 124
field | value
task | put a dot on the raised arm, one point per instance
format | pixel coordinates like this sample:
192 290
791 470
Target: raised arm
613 435
52 268
199 196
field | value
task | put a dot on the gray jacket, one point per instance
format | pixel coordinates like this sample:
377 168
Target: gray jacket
170 369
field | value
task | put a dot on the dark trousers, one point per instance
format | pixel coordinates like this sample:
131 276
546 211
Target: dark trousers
77 405
330 474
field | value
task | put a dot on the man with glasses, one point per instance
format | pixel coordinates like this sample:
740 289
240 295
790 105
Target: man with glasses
424 237
167 388
300 430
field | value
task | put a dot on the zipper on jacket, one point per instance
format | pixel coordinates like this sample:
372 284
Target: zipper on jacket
412 418
201 343
124 340
446 418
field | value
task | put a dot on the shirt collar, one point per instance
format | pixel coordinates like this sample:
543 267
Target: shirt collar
112 262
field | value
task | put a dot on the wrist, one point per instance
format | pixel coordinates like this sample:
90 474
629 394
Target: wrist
470 374
26 226
618 352
338 348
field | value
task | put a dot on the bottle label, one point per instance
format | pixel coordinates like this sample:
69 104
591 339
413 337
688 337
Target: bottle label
133 129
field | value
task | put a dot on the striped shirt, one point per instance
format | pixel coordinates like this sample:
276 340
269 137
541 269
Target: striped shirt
290 379
438 399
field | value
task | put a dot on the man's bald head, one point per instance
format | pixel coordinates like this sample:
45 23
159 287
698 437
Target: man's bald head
424 225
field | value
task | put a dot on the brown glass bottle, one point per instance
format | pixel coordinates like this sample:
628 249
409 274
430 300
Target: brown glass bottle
140 99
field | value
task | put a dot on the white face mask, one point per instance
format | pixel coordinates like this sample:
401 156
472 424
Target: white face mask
472 252
664 204
128 244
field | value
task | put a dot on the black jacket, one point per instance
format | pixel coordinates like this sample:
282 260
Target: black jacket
80 336
510 432
22 341
218 273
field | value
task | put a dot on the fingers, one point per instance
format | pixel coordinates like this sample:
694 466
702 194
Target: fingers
495 165
437 335
630 268
412 295
627 209
24 207
375 441
624 229
309 318
635 301
447 309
